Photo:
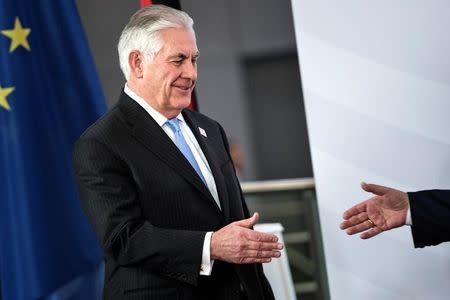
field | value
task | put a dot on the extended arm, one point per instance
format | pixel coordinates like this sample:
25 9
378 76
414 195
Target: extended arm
430 214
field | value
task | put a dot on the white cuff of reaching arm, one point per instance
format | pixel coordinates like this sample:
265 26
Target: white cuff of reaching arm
207 263
408 216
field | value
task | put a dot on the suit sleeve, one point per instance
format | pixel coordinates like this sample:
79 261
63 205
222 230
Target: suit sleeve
109 198
430 214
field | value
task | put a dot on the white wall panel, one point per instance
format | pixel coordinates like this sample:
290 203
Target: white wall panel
376 82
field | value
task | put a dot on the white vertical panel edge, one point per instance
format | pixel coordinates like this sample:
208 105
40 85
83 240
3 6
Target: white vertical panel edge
376 83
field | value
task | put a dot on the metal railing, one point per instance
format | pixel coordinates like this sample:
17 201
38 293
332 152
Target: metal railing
292 202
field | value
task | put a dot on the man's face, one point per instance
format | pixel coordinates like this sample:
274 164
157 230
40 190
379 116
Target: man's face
170 77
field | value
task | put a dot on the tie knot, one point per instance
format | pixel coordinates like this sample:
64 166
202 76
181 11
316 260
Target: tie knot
173 124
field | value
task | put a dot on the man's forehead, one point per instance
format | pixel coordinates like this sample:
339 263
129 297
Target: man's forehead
179 52
179 41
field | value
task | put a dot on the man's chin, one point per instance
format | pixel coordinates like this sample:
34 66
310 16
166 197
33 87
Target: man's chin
183 103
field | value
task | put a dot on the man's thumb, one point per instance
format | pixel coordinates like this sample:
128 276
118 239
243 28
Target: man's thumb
374 188
250 222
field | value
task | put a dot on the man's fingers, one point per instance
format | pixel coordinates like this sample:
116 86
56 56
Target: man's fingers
374 188
346 224
355 210
354 220
252 260
263 246
261 253
378 190
257 236
371 233
363 226
248 223
255 256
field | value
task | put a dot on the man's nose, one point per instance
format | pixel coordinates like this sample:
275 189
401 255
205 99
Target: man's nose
190 70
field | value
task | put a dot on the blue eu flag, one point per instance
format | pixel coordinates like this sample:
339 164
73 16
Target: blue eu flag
49 94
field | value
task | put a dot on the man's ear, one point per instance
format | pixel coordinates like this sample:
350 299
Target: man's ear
136 63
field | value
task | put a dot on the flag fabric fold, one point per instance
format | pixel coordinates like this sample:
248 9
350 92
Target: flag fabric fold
49 94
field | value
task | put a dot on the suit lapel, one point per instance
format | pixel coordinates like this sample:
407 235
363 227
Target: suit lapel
208 150
153 137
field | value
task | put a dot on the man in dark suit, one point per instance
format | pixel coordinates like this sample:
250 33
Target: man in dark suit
427 212
157 183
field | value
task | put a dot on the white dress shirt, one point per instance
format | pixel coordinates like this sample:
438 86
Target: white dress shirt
199 156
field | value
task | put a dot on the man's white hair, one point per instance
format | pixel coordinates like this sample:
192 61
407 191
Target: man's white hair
142 32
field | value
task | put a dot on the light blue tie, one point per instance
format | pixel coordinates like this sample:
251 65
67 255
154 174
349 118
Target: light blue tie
183 146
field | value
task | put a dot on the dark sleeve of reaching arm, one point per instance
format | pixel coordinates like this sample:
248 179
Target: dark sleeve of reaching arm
430 214
109 198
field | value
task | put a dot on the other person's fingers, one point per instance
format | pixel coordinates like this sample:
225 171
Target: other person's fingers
374 188
371 232
354 220
363 226
355 210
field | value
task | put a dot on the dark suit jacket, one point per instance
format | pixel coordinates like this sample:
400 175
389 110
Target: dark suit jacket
151 211
430 214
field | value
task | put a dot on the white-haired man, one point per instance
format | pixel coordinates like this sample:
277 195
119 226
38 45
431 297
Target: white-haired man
158 184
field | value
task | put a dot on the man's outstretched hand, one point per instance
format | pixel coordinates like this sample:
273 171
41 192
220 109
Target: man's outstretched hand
238 243
385 211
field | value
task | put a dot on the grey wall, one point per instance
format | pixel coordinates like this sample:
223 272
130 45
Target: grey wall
103 22
228 33
278 127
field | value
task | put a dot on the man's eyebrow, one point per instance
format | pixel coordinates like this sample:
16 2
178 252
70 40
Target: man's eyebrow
184 56
181 55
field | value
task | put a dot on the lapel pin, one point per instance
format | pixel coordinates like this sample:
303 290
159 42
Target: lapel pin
202 131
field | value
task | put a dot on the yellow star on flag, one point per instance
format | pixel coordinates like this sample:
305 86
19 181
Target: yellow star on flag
18 36
3 94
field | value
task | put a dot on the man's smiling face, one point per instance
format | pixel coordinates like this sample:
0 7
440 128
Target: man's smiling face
171 76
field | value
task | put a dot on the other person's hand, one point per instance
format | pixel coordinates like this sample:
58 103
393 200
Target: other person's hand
385 211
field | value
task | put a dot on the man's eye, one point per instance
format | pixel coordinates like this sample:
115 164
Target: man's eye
177 62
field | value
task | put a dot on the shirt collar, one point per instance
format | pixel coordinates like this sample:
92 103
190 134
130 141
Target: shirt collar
156 115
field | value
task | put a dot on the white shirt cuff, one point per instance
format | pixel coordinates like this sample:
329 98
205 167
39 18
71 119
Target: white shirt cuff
408 216
207 263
